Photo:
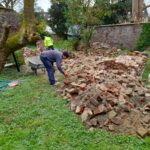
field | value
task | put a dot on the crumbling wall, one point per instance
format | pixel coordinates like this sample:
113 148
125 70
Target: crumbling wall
120 35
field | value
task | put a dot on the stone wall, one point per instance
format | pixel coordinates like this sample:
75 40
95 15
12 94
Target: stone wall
11 17
120 36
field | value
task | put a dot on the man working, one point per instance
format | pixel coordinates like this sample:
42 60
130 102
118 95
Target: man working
48 43
48 58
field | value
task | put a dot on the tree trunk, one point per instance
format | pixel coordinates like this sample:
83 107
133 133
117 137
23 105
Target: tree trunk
137 10
29 19
3 59
25 35
3 40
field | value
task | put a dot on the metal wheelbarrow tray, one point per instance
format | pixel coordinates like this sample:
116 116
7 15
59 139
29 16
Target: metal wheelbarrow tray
35 63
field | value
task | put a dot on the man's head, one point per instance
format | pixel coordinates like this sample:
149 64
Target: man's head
65 54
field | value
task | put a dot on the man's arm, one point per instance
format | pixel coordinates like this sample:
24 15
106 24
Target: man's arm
59 66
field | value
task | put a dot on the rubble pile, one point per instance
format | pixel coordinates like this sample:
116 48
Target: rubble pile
108 92
104 49
27 52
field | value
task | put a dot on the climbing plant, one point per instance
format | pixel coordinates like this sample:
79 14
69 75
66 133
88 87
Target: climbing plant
144 40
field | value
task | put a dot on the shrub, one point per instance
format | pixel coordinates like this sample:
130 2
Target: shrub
41 27
144 40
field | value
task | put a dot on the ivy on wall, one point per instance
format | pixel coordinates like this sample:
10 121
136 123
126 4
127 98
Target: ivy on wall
144 40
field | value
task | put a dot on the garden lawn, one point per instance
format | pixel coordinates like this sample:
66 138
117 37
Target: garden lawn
33 117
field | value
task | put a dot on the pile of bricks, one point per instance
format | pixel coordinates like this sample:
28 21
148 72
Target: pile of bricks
27 52
108 92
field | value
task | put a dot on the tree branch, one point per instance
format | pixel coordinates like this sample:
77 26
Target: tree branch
5 34
146 7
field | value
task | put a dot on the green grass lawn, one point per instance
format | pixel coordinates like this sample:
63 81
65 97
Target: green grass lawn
33 117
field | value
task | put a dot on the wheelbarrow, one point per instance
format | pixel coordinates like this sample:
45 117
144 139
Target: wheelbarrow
35 63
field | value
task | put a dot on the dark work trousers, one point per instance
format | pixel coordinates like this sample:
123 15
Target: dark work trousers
50 70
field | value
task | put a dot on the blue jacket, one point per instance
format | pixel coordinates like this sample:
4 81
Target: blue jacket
54 56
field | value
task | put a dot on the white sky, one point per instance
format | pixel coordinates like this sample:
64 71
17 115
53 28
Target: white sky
45 4
148 3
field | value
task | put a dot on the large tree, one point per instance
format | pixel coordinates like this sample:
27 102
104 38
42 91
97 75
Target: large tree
119 12
57 18
26 34
85 13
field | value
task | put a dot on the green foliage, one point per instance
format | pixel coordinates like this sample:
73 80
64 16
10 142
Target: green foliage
118 12
83 14
104 8
73 13
33 117
19 57
65 44
86 35
41 20
147 70
144 40
57 20
41 27
75 43
39 14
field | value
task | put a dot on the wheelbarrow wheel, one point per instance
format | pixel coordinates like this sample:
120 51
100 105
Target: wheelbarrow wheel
34 70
